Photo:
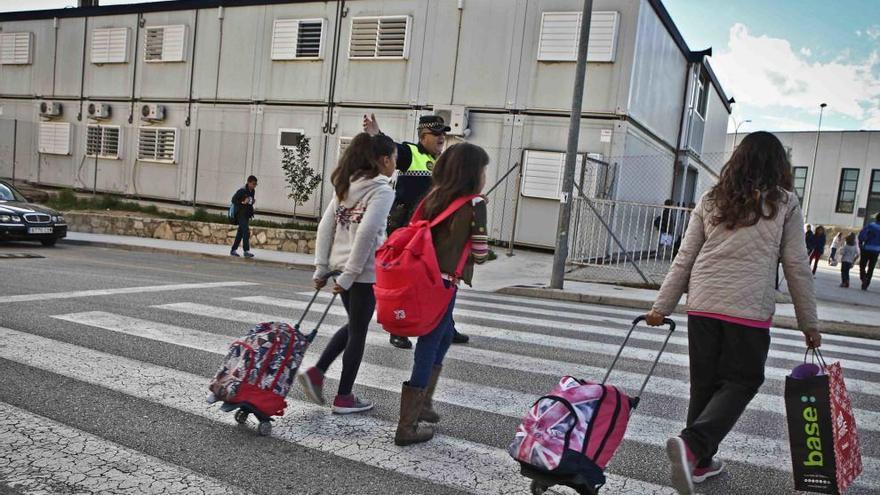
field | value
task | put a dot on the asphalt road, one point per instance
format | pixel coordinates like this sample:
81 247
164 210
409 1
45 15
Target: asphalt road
106 354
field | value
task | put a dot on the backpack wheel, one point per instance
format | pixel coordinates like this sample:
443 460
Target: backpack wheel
241 417
538 488
264 429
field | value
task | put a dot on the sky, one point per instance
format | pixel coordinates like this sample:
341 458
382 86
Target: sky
778 58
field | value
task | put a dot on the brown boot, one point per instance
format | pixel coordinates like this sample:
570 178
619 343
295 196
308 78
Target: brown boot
408 429
428 414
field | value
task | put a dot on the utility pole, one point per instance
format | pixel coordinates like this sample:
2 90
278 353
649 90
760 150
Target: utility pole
560 256
809 198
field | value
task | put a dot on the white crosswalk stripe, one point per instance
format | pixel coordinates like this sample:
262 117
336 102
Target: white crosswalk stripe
84 463
446 460
644 429
866 419
123 290
551 341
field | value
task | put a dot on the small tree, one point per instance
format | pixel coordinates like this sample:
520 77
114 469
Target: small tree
301 178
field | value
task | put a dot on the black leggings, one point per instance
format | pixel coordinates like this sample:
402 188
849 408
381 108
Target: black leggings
359 303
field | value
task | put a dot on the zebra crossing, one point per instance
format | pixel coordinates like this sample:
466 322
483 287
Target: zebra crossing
520 347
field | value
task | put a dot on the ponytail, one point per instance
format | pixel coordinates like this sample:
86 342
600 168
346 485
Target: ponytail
360 160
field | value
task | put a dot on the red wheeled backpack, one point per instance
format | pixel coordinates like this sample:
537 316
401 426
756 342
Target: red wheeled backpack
411 297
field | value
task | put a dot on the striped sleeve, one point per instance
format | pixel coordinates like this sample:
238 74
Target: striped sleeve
479 233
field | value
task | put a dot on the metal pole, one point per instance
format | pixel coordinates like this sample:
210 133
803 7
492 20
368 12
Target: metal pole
95 183
809 198
198 153
560 256
14 143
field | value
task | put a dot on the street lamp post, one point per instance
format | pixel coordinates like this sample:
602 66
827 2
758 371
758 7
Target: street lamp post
809 193
736 131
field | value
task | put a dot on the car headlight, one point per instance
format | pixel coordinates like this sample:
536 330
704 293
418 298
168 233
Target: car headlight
58 219
10 218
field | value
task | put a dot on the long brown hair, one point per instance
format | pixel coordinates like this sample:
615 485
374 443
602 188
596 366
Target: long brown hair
753 182
360 160
457 173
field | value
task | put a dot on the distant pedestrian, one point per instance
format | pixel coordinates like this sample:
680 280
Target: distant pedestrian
460 172
869 241
415 166
809 238
730 303
818 248
849 253
243 200
352 227
665 225
836 243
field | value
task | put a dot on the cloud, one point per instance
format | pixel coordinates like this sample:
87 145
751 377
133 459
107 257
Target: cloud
765 72
806 52
873 32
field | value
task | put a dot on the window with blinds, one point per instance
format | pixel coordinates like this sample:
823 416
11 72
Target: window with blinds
164 43
379 37
560 31
298 39
54 138
110 46
15 48
102 141
157 144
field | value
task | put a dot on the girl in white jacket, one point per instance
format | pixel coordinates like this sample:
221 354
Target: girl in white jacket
352 228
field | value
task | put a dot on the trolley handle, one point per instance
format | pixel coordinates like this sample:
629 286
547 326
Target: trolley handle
305 312
666 321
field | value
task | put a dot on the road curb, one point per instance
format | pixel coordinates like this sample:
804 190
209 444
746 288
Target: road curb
191 254
831 327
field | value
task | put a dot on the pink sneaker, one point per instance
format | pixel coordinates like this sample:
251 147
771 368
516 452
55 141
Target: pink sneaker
682 462
349 404
702 474
312 383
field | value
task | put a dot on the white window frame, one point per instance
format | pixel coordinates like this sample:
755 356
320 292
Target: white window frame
98 58
102 146
10 48
537 189
406 38
592 56
278 52
281 131
166 58
49 146
158 129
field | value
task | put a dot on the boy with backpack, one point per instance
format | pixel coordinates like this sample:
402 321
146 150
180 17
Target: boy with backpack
849 253
242 209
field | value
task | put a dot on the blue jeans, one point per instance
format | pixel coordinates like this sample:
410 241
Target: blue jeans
431 348
243 234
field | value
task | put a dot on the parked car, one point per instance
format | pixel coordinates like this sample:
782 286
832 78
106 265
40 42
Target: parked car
21 220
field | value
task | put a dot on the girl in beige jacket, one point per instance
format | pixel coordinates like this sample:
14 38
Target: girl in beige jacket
740 230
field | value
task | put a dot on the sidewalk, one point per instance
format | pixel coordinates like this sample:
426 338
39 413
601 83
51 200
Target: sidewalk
850 312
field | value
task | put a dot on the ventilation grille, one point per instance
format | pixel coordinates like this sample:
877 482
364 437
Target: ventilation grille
294 39
54 138
102 141
110 46
343 145
542 174
379 37
157 144
164 43
15 48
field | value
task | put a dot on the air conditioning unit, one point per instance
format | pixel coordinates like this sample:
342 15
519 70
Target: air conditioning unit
151 112
456 117
50 109
98 111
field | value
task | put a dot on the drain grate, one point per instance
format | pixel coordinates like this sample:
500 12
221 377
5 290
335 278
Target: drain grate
19 256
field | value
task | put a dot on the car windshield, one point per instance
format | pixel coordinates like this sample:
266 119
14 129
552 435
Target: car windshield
9 194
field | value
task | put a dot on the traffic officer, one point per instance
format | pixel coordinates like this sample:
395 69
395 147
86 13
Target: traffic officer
415 162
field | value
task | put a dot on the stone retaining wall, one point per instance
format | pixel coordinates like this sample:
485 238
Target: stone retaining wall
294 241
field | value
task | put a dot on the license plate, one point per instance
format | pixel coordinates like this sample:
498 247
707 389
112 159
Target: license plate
40 230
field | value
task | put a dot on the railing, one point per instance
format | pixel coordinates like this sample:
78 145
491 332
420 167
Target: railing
648 236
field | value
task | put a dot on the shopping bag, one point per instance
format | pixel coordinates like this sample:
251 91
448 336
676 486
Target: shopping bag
822 432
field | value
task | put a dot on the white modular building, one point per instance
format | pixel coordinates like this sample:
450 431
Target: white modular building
181 100
837 178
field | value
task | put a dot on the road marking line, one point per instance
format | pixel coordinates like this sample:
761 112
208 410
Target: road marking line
865 419
449 461
112 292
546 340
79 462
651 430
